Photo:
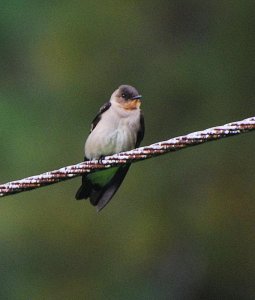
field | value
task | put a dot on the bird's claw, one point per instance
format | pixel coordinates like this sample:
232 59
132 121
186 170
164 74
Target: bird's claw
101 158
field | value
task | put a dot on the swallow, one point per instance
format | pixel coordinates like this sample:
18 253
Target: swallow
118 127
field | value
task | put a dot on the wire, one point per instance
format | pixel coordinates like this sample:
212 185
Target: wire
142 153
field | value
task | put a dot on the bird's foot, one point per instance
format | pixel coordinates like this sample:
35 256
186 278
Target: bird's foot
101 158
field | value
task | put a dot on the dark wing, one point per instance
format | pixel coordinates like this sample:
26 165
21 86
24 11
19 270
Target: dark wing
97 118
140 133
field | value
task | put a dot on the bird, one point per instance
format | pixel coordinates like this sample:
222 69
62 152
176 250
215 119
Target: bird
118 127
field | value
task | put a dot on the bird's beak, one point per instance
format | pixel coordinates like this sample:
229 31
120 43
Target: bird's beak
137 97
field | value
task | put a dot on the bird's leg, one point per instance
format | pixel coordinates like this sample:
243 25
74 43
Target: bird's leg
101 158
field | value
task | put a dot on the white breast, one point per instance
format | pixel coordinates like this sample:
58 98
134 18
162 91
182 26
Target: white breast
116 132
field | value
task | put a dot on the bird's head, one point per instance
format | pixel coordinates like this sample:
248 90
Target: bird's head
127 97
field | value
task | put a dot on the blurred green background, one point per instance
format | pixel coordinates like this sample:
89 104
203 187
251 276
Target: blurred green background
182 226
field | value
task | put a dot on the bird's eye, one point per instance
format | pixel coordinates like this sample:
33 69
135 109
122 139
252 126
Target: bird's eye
124 95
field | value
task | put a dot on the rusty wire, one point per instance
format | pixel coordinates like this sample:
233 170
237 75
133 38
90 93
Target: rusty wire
135 155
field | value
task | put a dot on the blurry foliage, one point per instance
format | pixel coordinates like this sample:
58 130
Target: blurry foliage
182 225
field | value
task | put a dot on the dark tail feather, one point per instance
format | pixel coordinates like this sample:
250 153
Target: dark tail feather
81 193
85 189
102 197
